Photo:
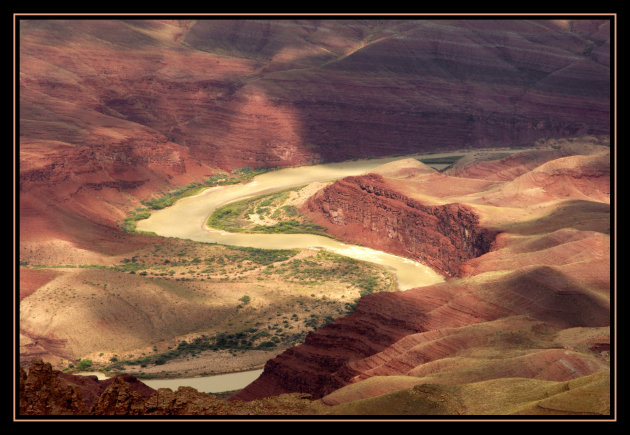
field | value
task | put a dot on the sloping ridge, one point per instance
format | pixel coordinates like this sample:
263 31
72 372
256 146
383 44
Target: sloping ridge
331 357
551 296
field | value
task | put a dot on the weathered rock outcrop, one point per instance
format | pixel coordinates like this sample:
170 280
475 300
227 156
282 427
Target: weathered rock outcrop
366 210
44 391
41 392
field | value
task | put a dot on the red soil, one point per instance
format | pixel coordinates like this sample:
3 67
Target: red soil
112 111
576 177
499 321
579 254
365 210
32 279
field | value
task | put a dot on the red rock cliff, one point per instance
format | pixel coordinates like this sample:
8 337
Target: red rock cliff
366 210
113 111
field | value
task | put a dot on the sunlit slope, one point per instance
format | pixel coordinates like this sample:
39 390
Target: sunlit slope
588 395
535 307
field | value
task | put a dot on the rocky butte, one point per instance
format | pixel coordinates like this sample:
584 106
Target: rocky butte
363 210
113 113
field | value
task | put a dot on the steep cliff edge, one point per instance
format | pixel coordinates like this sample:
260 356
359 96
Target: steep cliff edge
366 210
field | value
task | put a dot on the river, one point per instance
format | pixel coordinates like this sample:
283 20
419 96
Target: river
186 219
204 384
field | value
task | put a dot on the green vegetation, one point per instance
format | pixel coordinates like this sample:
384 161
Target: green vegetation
234 217
262 257
129 224
237 176
169 198
272 315
328 266
249 339
84 364
217 261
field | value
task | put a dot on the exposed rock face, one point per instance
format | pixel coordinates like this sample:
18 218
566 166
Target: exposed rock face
112 111
508 318
44 391
366 210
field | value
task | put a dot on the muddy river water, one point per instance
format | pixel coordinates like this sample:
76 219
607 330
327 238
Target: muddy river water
204 384
186 219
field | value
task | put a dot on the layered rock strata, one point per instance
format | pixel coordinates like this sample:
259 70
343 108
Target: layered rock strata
365 210
536 306
112 111
428 331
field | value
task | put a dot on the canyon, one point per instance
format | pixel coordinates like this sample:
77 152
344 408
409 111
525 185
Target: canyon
116 113
508 305
112 111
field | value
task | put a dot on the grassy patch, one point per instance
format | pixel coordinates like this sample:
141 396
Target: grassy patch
237 176
234 217
169 198
327 266
248 339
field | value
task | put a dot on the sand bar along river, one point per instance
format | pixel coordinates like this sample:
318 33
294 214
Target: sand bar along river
186 219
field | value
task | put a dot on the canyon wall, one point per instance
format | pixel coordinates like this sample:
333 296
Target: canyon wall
113 111
531 301
366 210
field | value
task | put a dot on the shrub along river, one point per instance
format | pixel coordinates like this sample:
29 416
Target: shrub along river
187 218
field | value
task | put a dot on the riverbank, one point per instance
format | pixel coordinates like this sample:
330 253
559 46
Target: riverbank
164 292
186 220
222 384
207 363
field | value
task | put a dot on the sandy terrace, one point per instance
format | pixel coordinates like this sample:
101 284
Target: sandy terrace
295 198
209 363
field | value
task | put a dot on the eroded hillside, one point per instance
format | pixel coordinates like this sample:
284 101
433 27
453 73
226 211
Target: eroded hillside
118 118
112 112
509 315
